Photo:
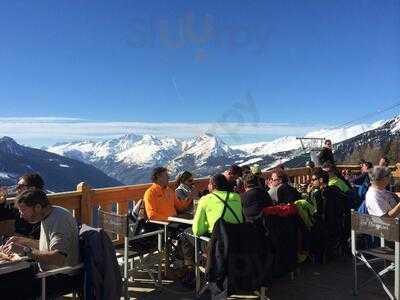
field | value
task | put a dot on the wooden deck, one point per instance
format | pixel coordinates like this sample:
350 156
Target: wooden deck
332 281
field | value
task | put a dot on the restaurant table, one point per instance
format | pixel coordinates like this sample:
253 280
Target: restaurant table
17 280
185 218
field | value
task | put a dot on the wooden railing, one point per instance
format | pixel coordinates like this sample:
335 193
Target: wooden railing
302 175
83 201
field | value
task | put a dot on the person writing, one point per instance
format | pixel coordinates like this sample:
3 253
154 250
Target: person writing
58 244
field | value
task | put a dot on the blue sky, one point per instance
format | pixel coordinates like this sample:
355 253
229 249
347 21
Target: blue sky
303 63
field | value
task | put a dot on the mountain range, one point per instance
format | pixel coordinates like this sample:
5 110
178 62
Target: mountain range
131 158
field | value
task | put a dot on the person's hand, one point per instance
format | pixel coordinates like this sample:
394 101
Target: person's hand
11 247
310 188
16 240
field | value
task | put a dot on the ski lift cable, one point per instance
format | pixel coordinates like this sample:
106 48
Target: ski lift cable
368 115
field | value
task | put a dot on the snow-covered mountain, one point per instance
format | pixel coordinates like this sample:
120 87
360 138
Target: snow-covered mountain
290 143
131 158
59 173
373 144
129 149
383 139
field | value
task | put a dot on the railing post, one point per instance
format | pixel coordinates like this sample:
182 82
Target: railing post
86 207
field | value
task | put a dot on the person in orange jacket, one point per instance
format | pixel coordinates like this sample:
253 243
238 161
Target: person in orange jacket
160 200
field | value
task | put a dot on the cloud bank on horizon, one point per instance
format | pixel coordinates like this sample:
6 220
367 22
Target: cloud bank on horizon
45 131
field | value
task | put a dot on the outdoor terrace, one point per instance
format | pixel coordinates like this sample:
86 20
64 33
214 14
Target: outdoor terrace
329 281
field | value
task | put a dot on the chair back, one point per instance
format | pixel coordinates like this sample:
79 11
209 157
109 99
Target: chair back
383 227
113 223
135 217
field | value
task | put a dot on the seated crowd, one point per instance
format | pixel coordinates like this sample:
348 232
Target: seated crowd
49 234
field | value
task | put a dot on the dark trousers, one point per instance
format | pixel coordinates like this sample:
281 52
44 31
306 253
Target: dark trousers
177 232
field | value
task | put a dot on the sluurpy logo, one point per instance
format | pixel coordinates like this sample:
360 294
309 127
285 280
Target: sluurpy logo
200 32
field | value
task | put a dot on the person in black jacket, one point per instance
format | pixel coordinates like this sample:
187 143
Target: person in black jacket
22 227
331 206
254 199
326 153
363 178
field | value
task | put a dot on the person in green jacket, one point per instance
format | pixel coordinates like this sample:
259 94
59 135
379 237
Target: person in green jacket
334 179
210 206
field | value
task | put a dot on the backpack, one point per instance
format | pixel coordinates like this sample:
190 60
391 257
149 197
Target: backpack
238 256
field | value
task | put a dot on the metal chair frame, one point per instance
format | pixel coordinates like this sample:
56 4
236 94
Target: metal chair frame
71 271
122 226
387 229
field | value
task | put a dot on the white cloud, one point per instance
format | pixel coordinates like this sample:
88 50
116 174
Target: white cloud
47 130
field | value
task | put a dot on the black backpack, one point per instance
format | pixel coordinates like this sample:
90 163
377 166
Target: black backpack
239 259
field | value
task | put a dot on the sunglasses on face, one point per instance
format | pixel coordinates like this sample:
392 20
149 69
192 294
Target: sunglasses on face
20 186
314 179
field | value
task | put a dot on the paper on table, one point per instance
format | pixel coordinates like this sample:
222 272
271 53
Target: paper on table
4 258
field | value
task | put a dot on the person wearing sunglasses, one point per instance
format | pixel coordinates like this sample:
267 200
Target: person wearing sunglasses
280 190
184 186
22 227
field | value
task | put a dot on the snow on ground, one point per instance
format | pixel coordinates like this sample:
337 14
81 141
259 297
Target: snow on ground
250 161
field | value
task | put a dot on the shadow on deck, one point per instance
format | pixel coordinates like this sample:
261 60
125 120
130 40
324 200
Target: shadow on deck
332 281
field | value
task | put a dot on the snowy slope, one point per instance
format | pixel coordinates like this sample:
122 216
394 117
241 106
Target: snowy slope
290 143
129 149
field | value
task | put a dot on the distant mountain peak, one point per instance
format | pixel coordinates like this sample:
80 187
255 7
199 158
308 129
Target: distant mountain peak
130 136
10 146
59 173
7 139
209 134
